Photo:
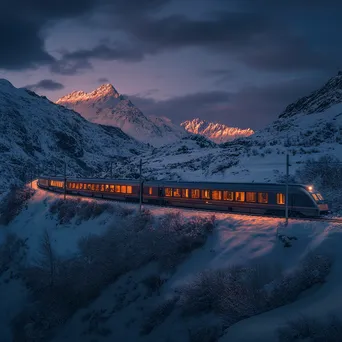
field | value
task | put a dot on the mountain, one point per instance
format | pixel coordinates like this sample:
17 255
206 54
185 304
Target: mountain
304 132
38 134
106 106
216 132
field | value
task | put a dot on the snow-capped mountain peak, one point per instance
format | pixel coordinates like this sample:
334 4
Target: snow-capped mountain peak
106 106
216 132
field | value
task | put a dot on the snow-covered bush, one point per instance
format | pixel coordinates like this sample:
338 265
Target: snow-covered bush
309 329
12 204
83 210
240 292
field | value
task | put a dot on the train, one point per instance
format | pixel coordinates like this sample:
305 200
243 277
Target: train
253 198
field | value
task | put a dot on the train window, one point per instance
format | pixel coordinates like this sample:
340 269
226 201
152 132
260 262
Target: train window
228 195
251 196
176 193
81 186
195 193
97 187
123 189
150 191
280 198
168 192
320 197
73 185
84 186
68 184
206 194
185 193
57 184
263 197
240 196
129 189
102 187
77 186
107 187
89 186
93 187
112 188
117 188
216 195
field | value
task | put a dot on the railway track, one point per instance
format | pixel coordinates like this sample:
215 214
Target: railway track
316 219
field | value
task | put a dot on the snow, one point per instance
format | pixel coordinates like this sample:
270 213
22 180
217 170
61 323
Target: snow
237 239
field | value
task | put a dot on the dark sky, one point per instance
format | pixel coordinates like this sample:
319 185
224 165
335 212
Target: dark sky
237 62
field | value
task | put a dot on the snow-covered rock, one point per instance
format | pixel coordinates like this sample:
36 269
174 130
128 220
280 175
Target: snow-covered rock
107 107
216 132
36 136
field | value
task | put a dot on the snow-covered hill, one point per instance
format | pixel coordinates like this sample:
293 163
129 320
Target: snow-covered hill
36 136
160 284
216 132
106 106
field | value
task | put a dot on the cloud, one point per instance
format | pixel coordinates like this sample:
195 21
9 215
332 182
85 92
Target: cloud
252 106
50 85
103 80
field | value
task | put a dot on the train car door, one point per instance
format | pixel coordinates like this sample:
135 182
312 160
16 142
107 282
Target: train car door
160 192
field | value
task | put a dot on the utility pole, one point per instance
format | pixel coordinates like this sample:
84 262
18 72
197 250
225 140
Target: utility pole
141 185
287 191
65 166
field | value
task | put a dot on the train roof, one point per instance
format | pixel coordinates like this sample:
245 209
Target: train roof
190 184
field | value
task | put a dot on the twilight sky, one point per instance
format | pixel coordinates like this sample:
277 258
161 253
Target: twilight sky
239 62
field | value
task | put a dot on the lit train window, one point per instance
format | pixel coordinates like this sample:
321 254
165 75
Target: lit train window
89 186
102 187
117 188
263 197
129 189
123 189
176 193
216 195
150 191
93 187
206 194
112 188
228 195
240 196
78 186
320 197
57 184
280 198
185 193
107 187
195 193
81 186
251 196
85 186
168 192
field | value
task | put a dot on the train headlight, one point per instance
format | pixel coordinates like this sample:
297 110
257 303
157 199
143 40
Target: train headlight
310 187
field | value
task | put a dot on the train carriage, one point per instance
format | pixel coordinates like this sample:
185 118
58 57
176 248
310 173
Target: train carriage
254 198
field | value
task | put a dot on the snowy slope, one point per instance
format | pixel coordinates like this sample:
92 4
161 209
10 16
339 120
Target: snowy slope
121 309
216 132
38 134
106 106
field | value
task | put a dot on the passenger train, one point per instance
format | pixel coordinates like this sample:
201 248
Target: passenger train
253 198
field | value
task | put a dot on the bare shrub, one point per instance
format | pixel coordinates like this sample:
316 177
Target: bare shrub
158 315
13 203
12 253
81 209
240 292
63 286
311 329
